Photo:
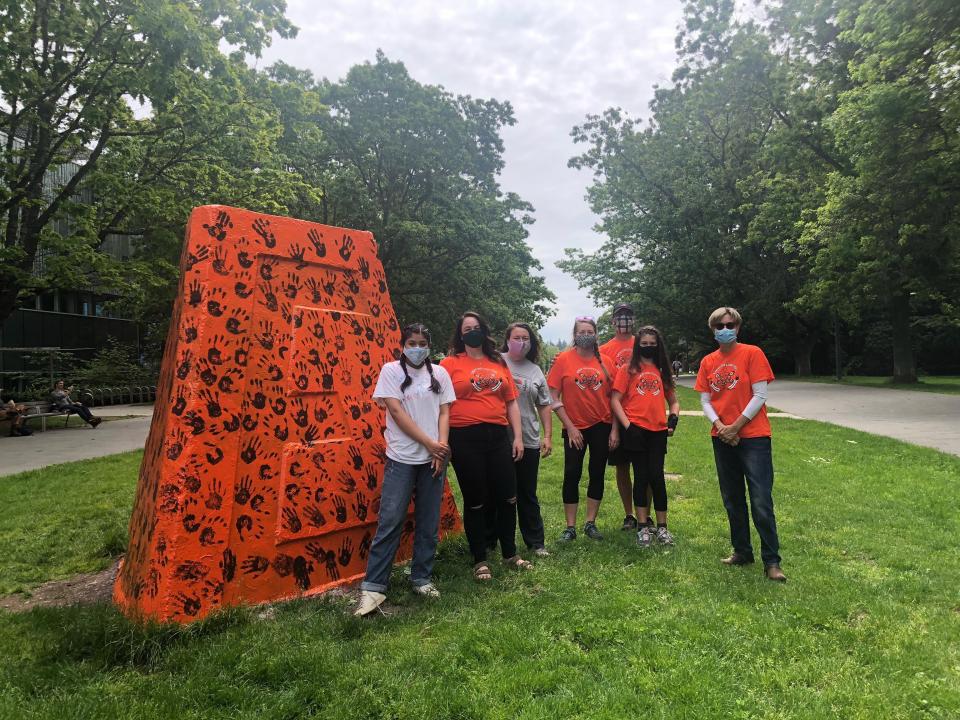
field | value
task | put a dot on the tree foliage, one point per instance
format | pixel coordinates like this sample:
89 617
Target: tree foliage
413 163
802 168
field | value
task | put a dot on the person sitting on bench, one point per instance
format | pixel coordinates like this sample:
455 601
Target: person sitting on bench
60 397
14 413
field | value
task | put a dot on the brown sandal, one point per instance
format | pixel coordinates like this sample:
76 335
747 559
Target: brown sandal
518 563
481 572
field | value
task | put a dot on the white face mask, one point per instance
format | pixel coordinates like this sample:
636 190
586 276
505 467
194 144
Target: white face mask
416 355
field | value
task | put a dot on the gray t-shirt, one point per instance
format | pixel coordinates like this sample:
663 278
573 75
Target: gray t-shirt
532 386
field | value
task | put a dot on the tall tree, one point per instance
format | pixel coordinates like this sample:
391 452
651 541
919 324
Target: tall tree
887 231
418 166
681 198
69 72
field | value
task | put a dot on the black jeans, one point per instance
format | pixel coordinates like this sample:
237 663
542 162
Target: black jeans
528 506
647 450
752 459
82 410
482 458
596 439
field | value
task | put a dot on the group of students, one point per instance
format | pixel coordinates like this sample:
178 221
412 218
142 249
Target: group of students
488 412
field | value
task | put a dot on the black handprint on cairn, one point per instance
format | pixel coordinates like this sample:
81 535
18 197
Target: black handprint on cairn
262 228
340 509
316 239
218 231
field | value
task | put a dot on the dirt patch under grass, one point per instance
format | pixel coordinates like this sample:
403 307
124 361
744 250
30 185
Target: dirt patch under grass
82 589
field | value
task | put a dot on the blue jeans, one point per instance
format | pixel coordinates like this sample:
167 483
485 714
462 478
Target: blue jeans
752 459
400 481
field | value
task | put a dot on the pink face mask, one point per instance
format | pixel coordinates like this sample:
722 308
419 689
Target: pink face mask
518 348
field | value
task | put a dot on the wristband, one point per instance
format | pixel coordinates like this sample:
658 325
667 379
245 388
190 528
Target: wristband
672 421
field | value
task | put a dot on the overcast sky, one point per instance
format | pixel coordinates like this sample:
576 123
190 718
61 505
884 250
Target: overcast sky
555 61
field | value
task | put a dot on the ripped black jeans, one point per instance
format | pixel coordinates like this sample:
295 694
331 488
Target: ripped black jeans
483 461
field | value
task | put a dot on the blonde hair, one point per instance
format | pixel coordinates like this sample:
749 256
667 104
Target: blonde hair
720 312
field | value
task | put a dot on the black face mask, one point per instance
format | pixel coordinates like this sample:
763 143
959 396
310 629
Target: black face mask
473 338
649 352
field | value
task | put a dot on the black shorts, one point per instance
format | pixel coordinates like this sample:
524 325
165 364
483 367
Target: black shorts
640 440
617 456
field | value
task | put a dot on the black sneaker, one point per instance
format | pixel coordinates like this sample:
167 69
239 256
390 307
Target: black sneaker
629 523
568 535
590 530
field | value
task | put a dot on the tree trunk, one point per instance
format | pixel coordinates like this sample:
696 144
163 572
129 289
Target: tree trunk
801 358
904 363
801 347
8 300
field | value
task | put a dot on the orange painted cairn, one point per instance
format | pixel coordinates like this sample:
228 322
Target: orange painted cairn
261 475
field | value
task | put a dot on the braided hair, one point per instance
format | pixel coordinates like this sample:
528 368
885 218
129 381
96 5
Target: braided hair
416 329
596 347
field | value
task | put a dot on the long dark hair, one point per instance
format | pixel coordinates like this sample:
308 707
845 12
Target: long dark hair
415 329
489 349
596 345
533 354
662 360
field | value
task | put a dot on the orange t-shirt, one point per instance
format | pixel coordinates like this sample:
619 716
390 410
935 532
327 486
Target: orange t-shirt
728 379
644 397
618 352
483 389
583 387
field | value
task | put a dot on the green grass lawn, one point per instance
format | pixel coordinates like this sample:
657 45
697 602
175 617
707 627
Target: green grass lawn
867 627
949 384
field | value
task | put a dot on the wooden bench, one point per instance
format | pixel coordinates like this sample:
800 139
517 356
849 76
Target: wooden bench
43 410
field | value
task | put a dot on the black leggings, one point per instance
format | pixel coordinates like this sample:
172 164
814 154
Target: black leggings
481 456
647 450
596 438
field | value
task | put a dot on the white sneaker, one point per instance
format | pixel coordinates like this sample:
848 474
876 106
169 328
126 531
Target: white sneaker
428 590
541 552
369 601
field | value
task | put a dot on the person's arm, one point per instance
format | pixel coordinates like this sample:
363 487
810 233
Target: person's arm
714 418
617 407
674 406
513 417
574 436
546 425
410 428
443 433
749 412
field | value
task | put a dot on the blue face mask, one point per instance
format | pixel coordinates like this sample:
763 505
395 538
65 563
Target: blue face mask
416 355
725 335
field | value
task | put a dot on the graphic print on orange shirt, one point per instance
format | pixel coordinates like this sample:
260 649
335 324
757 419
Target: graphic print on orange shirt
485 379
588 378
649 383
725 377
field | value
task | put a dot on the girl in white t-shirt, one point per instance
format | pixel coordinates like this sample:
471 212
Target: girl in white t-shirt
417 396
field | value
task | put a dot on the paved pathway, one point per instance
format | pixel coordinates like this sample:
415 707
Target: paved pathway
18 454
929 419
922 418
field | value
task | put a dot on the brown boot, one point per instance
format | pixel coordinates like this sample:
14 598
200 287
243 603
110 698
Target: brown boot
773 572
737 559
95 421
